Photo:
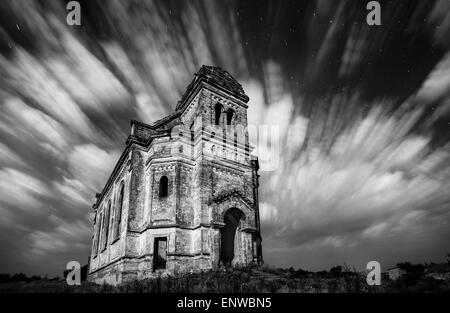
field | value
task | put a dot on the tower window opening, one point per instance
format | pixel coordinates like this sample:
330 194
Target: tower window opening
163 187
192 132
230 114
218 112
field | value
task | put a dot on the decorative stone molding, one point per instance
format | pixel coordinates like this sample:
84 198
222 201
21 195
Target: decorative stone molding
230 171
189 109
226 103
235 193
186 169
166 167
121 174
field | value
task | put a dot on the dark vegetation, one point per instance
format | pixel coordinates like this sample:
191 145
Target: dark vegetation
339 279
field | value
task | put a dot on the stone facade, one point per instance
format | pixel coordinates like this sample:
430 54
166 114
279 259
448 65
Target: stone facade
184 193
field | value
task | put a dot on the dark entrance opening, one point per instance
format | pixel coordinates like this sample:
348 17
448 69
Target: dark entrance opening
160 253
232 218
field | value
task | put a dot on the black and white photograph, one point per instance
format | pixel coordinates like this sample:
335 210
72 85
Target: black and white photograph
245 147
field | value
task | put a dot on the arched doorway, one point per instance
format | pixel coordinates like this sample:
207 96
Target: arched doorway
229 244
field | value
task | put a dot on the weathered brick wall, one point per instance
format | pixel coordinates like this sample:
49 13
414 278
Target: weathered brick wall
205 189
137 190
184 242
225 180
163 209
248 184
185 211
196 194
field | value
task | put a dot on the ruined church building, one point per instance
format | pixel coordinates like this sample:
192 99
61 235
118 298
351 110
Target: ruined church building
183 196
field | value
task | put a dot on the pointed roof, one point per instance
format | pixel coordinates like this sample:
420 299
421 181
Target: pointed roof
217 77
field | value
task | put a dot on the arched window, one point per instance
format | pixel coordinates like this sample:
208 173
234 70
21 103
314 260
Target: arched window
230 114
98 222
107 214
104 231
118 213
218 111
99 233
163 187
112 221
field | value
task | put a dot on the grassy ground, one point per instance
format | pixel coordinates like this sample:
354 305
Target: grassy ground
242 281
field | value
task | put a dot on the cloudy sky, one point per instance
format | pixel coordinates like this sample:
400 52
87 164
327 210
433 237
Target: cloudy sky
363 112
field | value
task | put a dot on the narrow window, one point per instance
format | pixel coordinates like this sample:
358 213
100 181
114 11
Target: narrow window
230 114
119 213
218 111
112 222
99 233
160 253
163 187
104 227
107 224
192 132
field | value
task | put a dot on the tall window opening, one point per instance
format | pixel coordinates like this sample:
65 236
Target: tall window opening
97 234
108 209
103 242
99 229
160 253
230 114
163 187
218 112
192 132
119 213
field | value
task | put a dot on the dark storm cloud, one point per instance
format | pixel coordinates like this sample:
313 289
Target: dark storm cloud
363 114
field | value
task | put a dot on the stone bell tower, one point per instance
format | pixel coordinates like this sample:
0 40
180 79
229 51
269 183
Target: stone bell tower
184 194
